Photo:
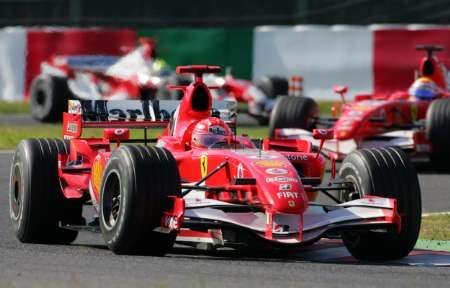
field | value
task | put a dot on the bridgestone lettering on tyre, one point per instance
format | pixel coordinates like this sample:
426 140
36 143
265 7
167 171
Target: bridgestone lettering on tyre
135 185
384 172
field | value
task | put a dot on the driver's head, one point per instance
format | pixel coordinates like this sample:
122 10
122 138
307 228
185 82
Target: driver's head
424 89
208 132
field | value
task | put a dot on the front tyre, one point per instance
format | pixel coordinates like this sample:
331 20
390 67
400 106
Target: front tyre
438 133
135 186
384 172
37 204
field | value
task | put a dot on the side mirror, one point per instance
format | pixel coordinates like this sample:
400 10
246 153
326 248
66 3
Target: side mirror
323 134
341 90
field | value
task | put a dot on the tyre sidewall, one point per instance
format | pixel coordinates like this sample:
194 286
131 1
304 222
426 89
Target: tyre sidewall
124 168
20 221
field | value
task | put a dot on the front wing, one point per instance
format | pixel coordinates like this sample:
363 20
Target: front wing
370 213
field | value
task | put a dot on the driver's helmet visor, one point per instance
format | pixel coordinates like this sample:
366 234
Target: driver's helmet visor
208 139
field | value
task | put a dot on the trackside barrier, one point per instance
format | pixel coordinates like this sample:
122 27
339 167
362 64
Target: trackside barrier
296 86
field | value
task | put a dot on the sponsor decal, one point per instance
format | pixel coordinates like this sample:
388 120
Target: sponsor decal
263 157
291 203
72 127
281 179
297 157
204 165
276 171
240 171
119 132
270 163
288 194
170 222
96 177
74 107
285 187
218 130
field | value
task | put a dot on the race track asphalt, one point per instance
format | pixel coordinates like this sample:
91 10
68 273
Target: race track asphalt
88 263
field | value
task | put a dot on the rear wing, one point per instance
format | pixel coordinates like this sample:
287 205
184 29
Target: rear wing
131 114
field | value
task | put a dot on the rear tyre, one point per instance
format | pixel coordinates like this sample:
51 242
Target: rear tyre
438 133
135 186
384 172
273 86
37 205
48 98
293 112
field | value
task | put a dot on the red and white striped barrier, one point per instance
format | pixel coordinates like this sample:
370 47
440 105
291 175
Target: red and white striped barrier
296 86
22 51
377 58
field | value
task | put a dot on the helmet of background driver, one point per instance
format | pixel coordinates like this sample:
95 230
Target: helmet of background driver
424 89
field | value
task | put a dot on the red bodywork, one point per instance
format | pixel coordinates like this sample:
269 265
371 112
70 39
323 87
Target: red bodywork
276 162
372 115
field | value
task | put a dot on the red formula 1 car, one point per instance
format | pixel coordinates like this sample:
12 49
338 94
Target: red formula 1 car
417 120
137 75
203 184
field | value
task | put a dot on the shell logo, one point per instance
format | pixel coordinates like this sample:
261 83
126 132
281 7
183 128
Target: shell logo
270 163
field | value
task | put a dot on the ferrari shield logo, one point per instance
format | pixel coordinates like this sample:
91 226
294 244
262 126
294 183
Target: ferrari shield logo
204 165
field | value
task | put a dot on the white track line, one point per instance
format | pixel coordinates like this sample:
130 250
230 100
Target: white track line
435 214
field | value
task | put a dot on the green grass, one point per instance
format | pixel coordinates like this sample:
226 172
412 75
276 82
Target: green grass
23 107
324 106
435 227
13 107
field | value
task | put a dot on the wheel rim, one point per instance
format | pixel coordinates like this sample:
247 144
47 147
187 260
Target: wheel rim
352 194
111 200
40 98
16 193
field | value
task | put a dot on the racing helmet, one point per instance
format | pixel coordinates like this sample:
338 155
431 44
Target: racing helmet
210 131
424 89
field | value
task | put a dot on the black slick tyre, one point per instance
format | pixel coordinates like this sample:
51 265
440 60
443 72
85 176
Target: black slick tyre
48 98
273 86
438 133
37 205
135 184
293 112
384 172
